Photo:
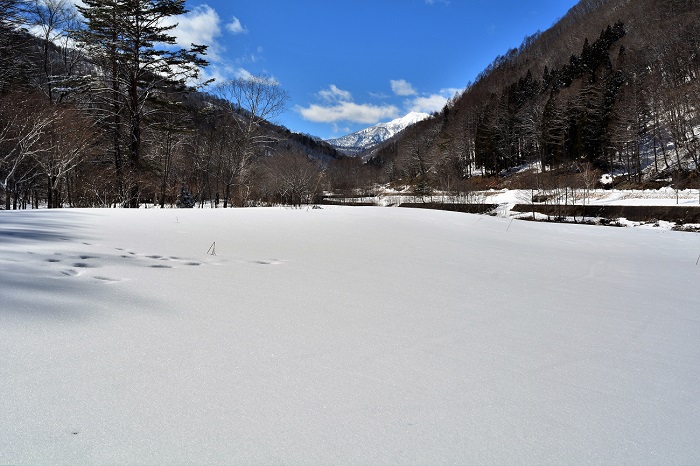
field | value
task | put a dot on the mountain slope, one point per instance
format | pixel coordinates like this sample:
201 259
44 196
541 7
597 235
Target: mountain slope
607 87
360 141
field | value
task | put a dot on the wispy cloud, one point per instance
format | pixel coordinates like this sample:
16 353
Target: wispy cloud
334 94
429 104
432 102
249 56
348 112
203 26
337 105
222 72
402 87
235 26
435 2
378 95
337 129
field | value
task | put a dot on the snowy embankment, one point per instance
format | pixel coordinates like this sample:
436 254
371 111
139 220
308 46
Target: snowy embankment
344 335
626 197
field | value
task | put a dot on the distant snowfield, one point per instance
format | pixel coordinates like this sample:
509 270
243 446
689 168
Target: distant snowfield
510 197
627 197
344 336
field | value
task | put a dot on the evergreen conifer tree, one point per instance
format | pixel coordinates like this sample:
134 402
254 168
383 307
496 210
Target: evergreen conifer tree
185 200
133 42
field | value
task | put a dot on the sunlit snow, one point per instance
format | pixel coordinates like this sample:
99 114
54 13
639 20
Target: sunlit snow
344 335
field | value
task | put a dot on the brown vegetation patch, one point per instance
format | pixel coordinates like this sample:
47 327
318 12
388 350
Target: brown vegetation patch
677 214
465 208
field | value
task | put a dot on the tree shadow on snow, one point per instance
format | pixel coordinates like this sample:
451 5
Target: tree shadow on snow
43 286
27 292
36 226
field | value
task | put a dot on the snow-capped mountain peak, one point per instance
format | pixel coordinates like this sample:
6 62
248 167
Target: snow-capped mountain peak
353 144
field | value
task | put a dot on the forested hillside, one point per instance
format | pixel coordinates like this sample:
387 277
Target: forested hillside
100 107
612 87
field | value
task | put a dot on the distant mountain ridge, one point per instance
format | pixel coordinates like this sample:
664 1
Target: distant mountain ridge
360 141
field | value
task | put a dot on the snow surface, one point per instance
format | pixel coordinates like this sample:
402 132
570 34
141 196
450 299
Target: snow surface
344 336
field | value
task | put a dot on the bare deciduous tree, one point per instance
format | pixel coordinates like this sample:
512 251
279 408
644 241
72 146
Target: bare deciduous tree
251 102
57 21
292 178
67 141
23 123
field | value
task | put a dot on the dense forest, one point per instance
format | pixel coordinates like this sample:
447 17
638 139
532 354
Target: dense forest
100 107
612 87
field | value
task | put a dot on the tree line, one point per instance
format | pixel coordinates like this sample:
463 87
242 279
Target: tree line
99 106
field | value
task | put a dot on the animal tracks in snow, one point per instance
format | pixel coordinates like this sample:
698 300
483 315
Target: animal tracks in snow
110 266
267 262
96 267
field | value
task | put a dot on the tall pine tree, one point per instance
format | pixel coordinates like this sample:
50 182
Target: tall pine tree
132 41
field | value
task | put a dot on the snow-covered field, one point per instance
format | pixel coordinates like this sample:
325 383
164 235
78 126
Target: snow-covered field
344 335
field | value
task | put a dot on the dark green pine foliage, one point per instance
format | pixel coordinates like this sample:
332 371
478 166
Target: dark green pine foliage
589 111
186 200
146 68
574 127
100 40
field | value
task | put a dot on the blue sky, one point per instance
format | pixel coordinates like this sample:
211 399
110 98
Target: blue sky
351 64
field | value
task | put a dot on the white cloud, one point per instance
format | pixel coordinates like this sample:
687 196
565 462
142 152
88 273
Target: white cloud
402 87
431 103
221 72
203 26
348 112
338 106
199 26
450 92
235 26
242 73
334 94
379 95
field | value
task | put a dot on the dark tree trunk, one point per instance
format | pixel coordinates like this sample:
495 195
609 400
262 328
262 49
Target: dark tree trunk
227 195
